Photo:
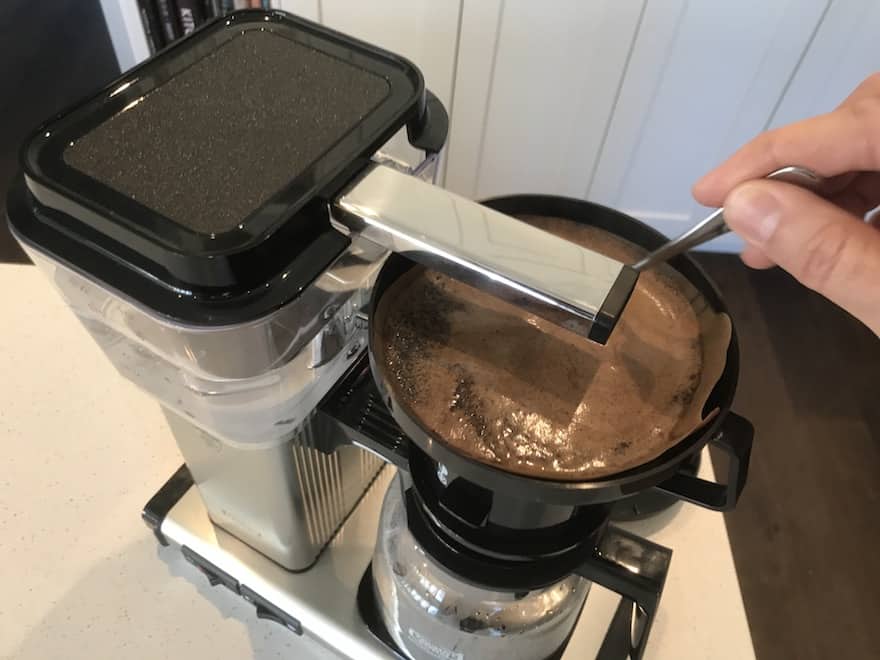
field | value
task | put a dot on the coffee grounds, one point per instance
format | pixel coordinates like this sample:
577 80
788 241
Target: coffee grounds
512 390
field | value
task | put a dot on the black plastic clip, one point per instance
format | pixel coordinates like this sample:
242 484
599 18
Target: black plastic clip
735 440
270 612
430 130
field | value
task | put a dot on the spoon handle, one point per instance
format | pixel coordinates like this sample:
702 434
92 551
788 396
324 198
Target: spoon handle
714 225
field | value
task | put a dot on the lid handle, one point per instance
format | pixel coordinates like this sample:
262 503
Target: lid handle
567 284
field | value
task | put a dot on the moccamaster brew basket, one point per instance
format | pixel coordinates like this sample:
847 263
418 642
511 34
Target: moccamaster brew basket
182 212
375 409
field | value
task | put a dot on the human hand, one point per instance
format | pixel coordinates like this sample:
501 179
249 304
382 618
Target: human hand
824 242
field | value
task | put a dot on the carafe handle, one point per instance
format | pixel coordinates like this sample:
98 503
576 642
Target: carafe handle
735 440
636 569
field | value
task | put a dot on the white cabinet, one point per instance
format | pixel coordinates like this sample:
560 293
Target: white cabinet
535 87
626 102
843 52
126 30
704 78
310 9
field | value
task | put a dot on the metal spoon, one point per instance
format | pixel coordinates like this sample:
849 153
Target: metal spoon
714 225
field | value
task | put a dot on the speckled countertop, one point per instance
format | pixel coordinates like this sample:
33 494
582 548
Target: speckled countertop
82 450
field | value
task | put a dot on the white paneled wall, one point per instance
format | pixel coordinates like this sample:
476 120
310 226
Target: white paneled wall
476 55
625 102
546 97
310 9
845 50
704 77
126 32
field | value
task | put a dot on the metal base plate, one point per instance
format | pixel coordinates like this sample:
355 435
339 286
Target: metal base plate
320 603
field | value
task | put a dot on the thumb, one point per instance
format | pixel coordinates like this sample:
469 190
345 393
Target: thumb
825 248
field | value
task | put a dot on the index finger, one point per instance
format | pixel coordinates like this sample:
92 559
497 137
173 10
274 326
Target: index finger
868 88
845 140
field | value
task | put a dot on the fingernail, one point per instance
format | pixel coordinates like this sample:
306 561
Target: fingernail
753 213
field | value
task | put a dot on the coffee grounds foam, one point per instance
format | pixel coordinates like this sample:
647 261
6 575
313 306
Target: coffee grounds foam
512 390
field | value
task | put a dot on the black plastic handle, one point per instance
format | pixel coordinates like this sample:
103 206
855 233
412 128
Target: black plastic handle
430 130
636 569
735 440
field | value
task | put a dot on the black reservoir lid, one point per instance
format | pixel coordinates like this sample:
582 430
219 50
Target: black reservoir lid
199 180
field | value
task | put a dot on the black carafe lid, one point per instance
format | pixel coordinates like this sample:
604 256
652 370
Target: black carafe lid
197 182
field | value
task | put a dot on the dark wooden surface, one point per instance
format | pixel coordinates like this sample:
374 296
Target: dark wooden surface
807 531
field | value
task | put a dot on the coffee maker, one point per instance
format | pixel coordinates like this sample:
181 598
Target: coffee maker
222 221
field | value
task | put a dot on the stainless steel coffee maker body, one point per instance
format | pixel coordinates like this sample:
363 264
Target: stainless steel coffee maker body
239 399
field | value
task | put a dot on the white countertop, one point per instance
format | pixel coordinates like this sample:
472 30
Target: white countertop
82 452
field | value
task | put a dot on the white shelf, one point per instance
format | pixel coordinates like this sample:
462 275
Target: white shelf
126 29
126 32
